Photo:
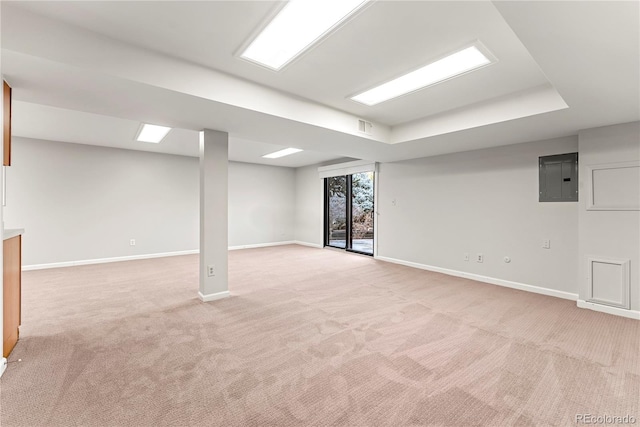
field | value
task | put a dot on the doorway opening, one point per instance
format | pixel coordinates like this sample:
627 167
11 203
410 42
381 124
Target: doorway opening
349 212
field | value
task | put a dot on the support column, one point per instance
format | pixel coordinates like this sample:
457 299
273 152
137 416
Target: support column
214 215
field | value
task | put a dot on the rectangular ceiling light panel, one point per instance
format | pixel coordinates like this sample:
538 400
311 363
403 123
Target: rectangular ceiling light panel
299 25
152 133
450 66
282 153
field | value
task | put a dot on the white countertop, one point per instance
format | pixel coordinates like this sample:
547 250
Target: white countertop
12 232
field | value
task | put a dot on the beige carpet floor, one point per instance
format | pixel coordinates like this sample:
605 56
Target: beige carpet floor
309 337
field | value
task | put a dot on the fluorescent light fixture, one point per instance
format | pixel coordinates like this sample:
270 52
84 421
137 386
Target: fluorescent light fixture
152 133
450 66
296 27
282 153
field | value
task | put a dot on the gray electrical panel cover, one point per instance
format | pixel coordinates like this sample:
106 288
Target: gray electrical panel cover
559 178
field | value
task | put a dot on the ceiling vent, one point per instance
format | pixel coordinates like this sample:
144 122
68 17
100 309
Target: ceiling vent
364 127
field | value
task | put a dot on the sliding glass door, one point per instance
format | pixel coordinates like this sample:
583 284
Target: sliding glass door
349 212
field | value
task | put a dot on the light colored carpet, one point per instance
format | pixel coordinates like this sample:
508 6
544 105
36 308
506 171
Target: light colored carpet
309 337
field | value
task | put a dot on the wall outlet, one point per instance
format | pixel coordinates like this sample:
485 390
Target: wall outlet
132 242
546 244
466 256
479 258
211 270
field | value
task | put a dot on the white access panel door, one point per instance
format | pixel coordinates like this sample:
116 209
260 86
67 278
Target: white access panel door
608 281
613 187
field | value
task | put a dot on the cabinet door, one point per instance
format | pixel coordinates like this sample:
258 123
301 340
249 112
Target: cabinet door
6 122
11 293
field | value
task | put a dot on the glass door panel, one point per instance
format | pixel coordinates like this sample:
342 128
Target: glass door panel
337 211
362 212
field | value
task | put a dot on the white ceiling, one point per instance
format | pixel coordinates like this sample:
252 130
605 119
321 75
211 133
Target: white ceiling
387 39
563 66
57 124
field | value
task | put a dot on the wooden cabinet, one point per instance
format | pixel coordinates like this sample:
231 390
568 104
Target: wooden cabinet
12 262
6 122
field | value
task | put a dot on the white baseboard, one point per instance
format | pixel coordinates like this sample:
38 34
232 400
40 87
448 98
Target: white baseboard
485 279
105 260
631 314
261 245
213 297
311 245
138 257
3 366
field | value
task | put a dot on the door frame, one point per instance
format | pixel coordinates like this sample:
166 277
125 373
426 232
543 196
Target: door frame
349 210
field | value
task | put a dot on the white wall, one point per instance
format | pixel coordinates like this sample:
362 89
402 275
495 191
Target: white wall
309 212
609 234
485 202
79 202
3 361
261 204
